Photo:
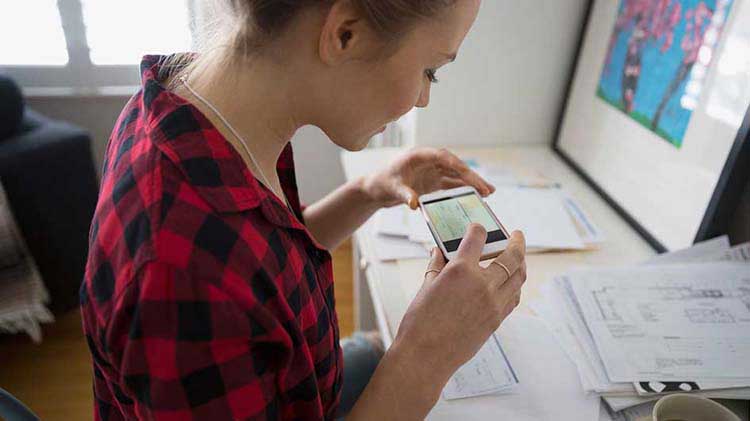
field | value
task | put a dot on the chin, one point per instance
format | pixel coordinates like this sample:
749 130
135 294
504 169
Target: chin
353 144
360 145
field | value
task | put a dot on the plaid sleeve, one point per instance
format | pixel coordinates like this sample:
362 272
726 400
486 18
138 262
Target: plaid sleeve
185 349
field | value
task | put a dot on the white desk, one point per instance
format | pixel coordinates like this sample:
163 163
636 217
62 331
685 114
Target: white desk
383 290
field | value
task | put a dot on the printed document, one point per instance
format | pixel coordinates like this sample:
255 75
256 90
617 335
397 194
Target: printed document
687 321
541 215
487 372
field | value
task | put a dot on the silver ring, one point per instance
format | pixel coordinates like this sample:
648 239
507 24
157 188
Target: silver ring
437 272
505 268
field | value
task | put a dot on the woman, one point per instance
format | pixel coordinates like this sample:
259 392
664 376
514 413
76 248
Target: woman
208 290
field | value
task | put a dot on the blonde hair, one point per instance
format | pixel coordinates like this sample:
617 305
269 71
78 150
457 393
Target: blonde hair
390 18
231 30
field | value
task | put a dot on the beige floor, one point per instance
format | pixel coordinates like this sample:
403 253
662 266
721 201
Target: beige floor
54 378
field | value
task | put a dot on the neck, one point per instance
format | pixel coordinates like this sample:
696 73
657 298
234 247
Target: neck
258 100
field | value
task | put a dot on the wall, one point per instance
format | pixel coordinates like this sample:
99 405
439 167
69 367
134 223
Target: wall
508 83
318 167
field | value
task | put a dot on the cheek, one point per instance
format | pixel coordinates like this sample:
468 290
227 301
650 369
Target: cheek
404 96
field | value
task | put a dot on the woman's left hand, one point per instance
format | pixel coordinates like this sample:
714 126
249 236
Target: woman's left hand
421 171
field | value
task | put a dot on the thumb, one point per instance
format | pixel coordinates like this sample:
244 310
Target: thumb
473 242
409 196
436 265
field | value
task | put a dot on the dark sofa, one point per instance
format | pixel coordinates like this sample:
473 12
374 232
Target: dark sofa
47 170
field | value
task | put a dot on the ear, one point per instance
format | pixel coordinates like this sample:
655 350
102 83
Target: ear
345 35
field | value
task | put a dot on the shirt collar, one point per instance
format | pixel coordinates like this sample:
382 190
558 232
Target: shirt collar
210 163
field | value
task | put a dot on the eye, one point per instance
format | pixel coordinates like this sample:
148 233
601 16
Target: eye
431 75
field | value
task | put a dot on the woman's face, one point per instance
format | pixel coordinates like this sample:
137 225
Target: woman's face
369 94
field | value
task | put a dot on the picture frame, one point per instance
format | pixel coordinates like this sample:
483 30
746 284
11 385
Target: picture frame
613 133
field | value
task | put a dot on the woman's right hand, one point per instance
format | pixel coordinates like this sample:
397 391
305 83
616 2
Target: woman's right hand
461 304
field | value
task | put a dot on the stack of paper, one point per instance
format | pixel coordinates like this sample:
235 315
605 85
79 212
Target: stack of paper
680 323
547 388
549 218
395 234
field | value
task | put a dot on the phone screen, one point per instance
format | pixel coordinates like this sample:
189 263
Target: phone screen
451 215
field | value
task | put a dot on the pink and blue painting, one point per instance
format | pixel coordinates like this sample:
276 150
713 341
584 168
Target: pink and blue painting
657 60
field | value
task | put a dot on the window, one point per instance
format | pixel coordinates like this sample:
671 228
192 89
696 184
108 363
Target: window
88 45
121 32
32 34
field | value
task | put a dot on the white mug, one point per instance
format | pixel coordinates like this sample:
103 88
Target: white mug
684 407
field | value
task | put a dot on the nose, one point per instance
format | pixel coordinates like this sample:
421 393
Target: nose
424 97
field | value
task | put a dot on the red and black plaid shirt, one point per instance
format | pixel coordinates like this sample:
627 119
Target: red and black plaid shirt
204 296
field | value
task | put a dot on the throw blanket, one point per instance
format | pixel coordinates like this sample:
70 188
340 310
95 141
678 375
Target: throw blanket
22 292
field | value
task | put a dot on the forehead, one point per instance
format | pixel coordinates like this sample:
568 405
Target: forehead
447 29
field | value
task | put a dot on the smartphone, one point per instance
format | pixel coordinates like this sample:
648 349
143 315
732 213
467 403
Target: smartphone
449 212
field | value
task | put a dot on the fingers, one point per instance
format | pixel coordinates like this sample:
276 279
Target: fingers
475 180
456 168
472 244
514 284
511 305
410 197
508 298
451 182
504 310
512 257
436 265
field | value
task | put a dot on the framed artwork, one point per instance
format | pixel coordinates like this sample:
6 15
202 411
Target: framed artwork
656 118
